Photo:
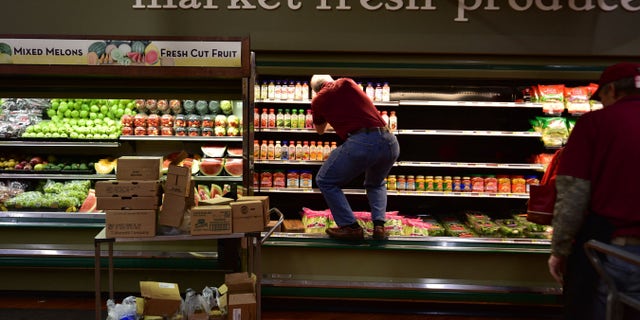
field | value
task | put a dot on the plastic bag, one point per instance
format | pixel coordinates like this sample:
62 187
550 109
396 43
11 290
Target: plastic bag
194 303
124 311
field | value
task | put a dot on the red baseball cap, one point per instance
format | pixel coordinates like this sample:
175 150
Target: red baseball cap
616 72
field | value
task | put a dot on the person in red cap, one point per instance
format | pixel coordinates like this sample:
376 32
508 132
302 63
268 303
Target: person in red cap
598 195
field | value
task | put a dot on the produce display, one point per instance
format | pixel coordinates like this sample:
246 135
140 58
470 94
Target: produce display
81 119
161 117
467 225
52 195
18 114
555 130
45 164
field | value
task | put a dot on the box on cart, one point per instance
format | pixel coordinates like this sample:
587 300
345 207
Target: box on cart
242 306
265 205
240 282
211 220
127 203
178 181
130 223
173 210
127 188
247 216
139 168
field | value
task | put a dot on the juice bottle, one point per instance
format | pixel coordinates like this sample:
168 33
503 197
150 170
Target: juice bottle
305 91
308 120
386 92
298 92
277 151
385 117
278 91
256 118
292 150
264 118
294 119
285 150
271 150
264 91
263 150
301 119
377 92
256 149
279 119
326 150
291 91
306 151
313 151
271 90
299 151
256 92
369 90
286 119
272 118
334 145
393 121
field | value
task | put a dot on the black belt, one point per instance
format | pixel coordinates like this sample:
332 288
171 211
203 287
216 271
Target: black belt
367 130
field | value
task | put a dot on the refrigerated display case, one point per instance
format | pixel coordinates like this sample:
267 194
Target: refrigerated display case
51 239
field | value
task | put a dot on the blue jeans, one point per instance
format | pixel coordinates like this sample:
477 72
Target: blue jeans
627 279
371 153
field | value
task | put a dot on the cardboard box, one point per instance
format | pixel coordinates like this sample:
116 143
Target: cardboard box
217 201
211 220
173 209
240 282
130 188
130 223
139 168
242 307
178 181
160 298
292 225
272 224
247 216
265 205
127 203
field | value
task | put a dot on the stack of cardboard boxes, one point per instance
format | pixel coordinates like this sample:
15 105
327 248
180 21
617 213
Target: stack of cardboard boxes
131 201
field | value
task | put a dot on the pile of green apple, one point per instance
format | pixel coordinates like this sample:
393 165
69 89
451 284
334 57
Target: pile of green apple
82 119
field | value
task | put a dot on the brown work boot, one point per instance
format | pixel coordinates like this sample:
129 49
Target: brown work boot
346 233
379 233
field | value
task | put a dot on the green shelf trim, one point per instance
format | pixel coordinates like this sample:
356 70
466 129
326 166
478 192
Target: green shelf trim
426 245
450 296
122 263
433 66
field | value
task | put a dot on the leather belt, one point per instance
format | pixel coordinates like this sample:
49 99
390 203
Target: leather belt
626 241
367 130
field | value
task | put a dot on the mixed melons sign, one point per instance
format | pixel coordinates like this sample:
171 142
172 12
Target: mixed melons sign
121 52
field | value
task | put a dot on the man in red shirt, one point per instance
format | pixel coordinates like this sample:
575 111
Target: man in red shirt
368 147
598 193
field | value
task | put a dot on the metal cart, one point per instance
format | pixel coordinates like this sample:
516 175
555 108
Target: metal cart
254 256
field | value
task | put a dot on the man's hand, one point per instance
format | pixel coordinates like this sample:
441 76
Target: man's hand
321 128
557 267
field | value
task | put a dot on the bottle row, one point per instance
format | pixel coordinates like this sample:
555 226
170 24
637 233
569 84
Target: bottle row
272 118
475 183
293 150
283 90
283 179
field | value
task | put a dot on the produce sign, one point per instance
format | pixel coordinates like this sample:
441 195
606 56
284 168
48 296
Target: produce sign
121 52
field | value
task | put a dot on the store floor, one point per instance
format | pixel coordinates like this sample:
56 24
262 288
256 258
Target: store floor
34 306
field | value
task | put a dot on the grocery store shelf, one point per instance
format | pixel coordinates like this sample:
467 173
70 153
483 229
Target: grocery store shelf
182 138
217 178
490 104
302 102
296 130
406 193
421 164
51 219
524 134
518 166
65 143
56 176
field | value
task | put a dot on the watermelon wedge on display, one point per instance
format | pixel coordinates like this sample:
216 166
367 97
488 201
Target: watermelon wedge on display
89 204
211 166
214 150
234 151
233 166
216 190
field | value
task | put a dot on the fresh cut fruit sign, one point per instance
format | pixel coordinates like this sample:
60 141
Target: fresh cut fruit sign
121 52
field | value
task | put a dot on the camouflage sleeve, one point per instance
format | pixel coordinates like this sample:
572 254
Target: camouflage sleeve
572 200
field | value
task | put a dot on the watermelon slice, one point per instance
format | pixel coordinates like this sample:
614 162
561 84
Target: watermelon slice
234 151
89 204
203 192
216 190
233 166
211 166
214 151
